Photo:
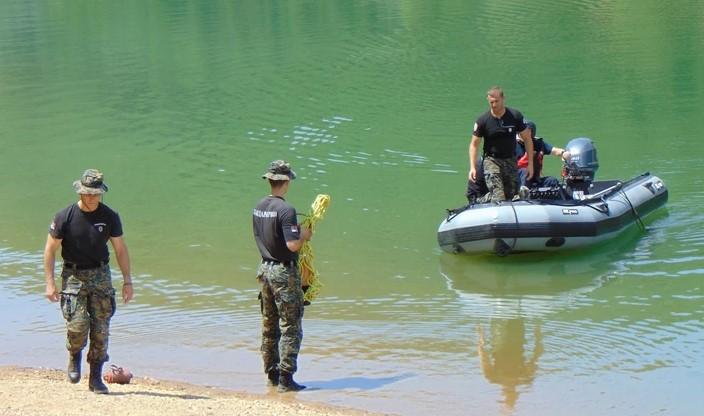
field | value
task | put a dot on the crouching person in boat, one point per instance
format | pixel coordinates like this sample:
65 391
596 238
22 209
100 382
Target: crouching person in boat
540 149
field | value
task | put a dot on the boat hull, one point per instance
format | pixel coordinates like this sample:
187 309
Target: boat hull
545 225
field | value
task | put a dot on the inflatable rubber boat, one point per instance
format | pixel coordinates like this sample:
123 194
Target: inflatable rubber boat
580 212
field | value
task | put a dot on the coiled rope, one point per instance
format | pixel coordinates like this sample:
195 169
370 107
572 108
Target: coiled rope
309 275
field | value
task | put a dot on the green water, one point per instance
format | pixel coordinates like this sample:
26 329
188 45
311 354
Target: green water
183 104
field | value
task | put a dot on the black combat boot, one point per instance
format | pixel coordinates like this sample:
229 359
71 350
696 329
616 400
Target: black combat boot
74 367
287 384
273 376
95 382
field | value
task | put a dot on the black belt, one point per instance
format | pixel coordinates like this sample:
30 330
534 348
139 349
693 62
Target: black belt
76 266
496 156
289 263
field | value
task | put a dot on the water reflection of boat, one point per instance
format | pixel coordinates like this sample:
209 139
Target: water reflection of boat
526 274
510 297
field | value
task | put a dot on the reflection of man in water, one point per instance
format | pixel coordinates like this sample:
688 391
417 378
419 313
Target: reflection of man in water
503 359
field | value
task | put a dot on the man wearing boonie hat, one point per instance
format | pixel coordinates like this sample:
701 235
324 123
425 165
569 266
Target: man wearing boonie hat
82 230
279 238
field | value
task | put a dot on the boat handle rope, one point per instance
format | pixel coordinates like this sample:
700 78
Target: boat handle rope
452 213
603 207
515 215
635 213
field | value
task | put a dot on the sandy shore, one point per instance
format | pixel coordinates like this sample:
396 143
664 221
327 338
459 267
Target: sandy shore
31 391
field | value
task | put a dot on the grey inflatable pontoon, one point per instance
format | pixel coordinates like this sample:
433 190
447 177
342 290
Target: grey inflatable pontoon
580 213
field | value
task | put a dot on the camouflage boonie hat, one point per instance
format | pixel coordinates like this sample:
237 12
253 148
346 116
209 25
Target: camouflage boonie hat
90 183
279 170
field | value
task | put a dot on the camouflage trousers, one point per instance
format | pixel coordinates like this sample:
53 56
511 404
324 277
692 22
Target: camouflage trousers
87 303
281 300
501 176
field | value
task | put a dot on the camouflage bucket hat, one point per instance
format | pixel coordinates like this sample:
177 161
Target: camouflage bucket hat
279 170
90 183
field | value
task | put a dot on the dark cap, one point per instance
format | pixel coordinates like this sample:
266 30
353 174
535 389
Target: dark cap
279 170
90 183
533 128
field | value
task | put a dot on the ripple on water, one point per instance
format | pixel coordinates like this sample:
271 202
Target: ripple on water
319 147
620 345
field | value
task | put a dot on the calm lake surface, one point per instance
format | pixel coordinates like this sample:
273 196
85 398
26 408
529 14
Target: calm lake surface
183 104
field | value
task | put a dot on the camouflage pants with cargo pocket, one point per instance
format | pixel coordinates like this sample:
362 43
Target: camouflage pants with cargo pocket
282 316
88 303
501 176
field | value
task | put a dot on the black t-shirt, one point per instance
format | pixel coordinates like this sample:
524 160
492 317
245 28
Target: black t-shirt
274 223
85 235
500 133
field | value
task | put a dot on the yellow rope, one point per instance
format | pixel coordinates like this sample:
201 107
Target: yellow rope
309 275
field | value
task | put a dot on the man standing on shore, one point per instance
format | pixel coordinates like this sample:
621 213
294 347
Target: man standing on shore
279 238
499 126
82 230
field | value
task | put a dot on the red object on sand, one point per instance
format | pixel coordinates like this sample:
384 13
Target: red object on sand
117 375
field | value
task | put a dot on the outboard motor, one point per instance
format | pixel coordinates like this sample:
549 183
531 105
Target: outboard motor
580 169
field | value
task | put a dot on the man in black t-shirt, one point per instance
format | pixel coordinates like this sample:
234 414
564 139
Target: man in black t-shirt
498 127
477 191
279 238
82 230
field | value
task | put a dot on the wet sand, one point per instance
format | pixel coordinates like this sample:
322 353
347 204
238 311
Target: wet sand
41 391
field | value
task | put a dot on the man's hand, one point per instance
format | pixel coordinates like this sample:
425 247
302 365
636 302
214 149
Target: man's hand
529 170
306 234
52 244
127 293
51 293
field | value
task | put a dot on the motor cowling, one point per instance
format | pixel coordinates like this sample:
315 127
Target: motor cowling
583 163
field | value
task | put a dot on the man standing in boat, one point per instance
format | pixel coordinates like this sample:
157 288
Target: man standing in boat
477 191
498 127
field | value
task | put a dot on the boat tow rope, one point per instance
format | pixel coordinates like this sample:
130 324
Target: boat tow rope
309 276
635 213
